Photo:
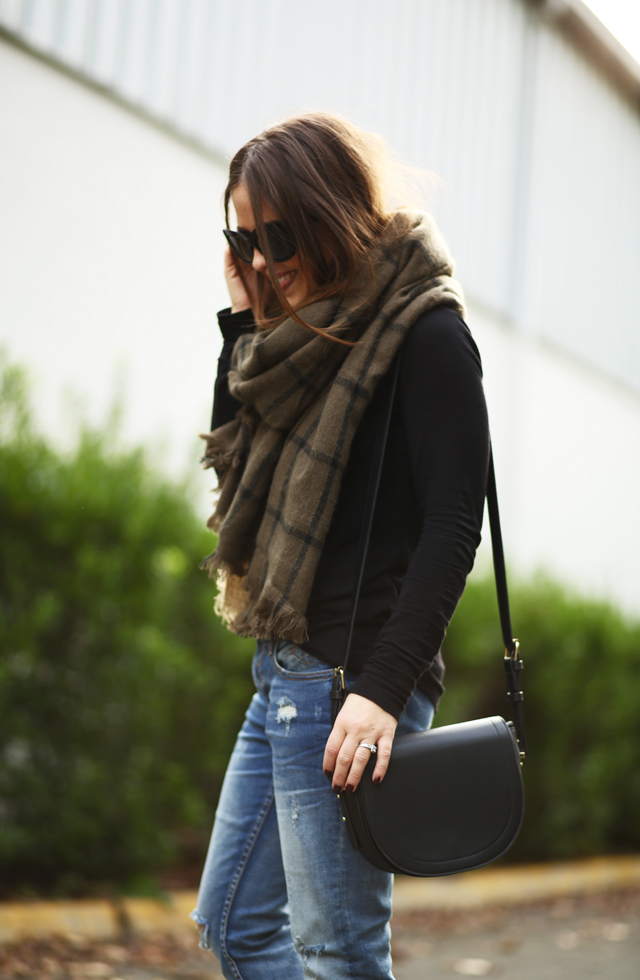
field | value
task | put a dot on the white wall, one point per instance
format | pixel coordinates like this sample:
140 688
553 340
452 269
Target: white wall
566 443
110 259
538 151
110 254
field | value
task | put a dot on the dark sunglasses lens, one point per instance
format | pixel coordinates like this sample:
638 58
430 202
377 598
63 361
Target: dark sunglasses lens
281 244
239 244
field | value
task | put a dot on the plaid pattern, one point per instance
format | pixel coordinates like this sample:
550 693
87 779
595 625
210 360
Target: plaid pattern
281 460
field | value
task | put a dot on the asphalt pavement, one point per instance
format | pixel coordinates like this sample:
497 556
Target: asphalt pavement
568 938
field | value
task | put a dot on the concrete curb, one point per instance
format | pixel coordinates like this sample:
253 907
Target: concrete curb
146 915
104 920
515 885
97 920
89 919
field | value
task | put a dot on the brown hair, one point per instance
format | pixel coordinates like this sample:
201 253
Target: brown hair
323 177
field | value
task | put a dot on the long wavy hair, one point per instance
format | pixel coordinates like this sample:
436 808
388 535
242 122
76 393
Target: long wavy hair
325 179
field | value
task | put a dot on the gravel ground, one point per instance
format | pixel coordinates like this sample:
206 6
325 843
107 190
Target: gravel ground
568 939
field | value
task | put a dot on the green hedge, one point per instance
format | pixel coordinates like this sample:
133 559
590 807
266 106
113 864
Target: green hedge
120 694
581 681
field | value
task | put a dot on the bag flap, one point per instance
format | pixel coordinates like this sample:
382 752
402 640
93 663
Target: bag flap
452 798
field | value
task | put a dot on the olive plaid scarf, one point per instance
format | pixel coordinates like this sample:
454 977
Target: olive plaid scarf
281 460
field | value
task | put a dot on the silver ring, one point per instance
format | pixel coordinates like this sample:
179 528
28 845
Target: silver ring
367 745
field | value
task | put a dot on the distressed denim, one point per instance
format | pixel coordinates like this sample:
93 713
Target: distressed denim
283 894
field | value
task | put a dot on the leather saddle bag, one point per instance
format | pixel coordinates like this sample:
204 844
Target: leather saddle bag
452 798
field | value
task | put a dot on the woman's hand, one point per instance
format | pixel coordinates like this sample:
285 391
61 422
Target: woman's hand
359 720
242 286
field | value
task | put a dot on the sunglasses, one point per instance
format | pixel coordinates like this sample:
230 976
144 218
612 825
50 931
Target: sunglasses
280 241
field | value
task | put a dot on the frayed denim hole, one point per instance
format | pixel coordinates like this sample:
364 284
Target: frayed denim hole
295 814
287 711
307 953
205 929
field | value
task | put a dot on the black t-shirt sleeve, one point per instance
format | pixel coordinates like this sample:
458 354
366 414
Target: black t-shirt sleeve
445 421
232 325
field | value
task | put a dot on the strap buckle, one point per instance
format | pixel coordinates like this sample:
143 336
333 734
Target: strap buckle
512 654
513 666
337 693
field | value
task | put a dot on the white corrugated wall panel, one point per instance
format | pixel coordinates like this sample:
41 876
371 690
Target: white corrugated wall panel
74 33
582 285
538 156
37 23
104 43
133 68
11 14
435 78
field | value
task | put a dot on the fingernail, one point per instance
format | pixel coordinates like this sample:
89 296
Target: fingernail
337 790
377 779
328 774
350 789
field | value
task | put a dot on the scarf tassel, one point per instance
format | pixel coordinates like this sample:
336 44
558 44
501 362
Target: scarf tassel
237 607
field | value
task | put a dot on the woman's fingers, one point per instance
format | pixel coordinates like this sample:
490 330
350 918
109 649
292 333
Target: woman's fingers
238 293
360 759
330 760
342 748
382 758
345 758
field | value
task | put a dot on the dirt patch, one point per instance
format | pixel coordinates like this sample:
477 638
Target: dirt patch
148 958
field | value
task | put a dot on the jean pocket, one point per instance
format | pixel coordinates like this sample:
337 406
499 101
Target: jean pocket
291 659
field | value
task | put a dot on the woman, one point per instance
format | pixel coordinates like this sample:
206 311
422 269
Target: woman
327 287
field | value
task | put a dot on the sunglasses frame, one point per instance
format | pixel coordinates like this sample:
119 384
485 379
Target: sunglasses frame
277 235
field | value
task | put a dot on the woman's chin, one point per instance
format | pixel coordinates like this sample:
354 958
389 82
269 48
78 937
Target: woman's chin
295 288
297 292
296 300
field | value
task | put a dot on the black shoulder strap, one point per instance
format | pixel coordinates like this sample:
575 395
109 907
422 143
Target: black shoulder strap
391 380
512 661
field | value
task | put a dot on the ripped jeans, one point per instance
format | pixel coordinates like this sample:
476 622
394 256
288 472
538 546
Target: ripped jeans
283 894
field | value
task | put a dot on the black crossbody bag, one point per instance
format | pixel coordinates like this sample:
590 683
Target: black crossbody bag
452 798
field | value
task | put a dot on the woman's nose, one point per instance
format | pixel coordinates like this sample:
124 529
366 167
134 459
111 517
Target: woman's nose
259 263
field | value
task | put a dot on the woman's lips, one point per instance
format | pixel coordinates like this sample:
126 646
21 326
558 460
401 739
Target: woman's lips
286 279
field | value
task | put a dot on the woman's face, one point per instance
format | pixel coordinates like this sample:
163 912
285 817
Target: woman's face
296 284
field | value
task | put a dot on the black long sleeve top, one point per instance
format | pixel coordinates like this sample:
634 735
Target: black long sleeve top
426 526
